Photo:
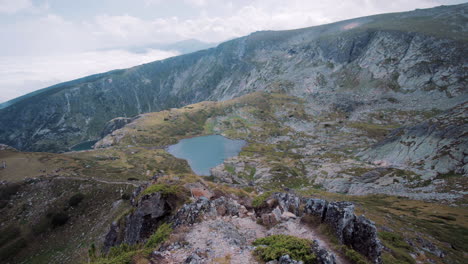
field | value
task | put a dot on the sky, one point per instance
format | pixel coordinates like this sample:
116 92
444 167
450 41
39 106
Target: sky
44 42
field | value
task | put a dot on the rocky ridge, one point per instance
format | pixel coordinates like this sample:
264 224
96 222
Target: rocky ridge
234 224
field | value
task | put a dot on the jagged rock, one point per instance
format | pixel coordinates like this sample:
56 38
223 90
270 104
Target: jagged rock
316 207
358 232
149 212
288 202
113 237
340 216
190 213
194 259
142 223
323 255
230 206
363 238
286 259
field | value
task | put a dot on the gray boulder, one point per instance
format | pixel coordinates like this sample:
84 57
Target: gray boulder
340 216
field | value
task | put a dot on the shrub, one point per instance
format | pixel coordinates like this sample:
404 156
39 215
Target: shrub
354 256
12 248
76 199
126 196
122 254
273 247
8 190
59 219
161 234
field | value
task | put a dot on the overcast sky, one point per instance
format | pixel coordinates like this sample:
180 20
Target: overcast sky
44 42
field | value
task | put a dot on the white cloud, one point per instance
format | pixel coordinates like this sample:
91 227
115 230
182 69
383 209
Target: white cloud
23 74
13 6
196 2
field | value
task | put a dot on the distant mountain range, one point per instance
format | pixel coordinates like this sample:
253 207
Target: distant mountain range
417 55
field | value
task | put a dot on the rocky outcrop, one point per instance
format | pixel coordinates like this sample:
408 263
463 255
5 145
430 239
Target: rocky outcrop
190 213
439 144
286 259
147 216
323 256
340 217
149 213
114 124
358 232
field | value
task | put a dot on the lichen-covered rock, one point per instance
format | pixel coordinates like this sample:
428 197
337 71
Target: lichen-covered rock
149 212
363 238
340 216
323 255
288 202
316 207
190 213
357 232
286 259
142 223
194 259
113 237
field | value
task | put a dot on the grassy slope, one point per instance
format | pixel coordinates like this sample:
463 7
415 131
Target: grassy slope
253 117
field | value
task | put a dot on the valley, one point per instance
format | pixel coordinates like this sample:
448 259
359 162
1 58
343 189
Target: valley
355 151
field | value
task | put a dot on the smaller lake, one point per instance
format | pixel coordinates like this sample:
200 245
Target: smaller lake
204 153
87 145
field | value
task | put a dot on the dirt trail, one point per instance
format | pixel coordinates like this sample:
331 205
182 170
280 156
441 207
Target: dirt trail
230 238
135 184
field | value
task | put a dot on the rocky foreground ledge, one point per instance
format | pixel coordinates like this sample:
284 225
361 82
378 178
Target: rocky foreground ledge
224 228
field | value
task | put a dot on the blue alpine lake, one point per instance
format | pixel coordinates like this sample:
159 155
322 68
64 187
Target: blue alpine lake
206 152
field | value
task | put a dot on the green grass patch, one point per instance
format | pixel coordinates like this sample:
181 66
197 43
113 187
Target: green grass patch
161 234
273 247
398 246
164 189
230 169
122 254
353 256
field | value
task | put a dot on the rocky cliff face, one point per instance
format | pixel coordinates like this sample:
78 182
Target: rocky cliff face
358 60
439 144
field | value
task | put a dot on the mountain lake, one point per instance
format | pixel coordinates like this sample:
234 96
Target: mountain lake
206 152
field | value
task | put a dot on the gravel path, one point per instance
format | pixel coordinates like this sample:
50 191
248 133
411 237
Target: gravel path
229 239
